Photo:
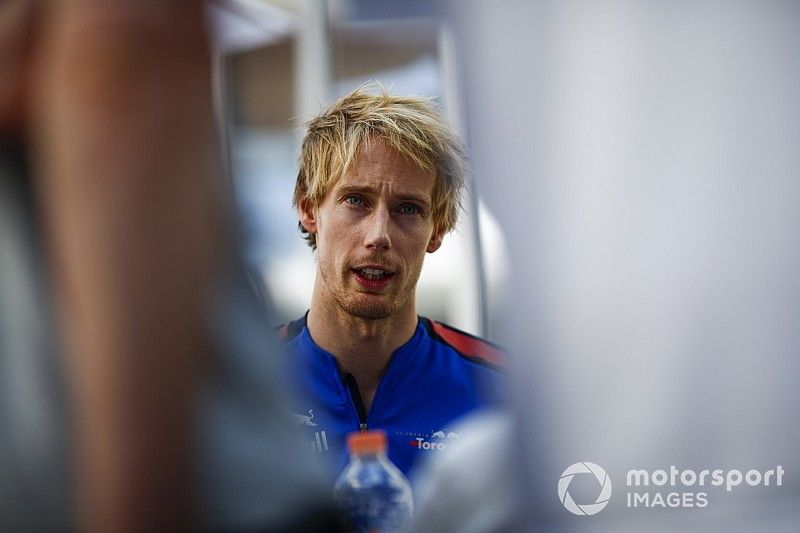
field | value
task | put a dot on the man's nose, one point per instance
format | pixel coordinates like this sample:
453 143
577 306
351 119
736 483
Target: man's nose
377 236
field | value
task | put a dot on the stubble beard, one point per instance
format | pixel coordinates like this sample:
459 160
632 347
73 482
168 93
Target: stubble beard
367 309
364 305
359 304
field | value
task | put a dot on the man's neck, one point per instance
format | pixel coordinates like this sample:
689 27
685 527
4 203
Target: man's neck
362 347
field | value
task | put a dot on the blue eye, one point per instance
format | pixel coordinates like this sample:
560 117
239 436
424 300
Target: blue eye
409 209
354 200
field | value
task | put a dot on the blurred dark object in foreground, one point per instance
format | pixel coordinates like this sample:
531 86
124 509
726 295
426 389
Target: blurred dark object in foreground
138 384
33 453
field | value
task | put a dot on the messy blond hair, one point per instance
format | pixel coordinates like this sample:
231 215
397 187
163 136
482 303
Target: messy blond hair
411 125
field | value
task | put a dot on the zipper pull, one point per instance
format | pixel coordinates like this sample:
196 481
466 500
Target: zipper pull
363 426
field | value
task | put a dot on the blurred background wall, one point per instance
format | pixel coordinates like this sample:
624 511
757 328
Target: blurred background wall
645 167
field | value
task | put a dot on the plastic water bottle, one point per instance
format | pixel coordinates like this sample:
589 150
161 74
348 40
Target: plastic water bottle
372 492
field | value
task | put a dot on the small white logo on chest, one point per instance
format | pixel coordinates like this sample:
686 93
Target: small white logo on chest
305 420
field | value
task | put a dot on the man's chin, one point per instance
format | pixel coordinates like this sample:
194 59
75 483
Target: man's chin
370 310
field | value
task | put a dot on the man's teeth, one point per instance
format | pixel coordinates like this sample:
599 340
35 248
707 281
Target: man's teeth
373 273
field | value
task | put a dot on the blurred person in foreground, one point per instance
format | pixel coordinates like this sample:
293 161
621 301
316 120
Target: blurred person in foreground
149 408
378 187
649 181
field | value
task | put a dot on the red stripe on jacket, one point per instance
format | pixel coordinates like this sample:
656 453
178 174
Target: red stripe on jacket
471 346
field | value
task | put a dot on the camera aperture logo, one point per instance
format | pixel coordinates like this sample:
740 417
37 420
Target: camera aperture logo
586 509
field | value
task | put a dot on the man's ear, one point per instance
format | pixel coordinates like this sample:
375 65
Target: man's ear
307 214
436 241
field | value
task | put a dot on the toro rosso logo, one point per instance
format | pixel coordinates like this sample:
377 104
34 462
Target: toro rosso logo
437 440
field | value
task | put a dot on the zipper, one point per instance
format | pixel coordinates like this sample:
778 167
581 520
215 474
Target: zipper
356 400
355 395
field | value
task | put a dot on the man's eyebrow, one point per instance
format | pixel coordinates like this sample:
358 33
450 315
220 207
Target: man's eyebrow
364 189
345 189
414 198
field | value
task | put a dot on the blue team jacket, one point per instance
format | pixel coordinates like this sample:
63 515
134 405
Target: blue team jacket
436 377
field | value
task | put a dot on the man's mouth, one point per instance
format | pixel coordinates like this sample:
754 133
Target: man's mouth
373 273
373 277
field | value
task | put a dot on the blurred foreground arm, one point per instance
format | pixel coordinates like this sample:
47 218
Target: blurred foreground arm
128 180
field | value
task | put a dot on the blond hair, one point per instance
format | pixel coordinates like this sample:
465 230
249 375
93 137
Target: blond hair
410 125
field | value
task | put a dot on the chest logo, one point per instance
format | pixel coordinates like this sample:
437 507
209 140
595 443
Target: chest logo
305 420
320 442
437 440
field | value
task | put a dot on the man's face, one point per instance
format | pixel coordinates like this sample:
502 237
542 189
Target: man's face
372 231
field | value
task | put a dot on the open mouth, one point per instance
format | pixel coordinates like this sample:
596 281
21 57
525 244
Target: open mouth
373 273
373 277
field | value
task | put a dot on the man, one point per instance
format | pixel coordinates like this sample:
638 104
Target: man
378 187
